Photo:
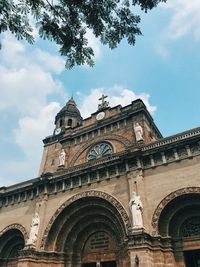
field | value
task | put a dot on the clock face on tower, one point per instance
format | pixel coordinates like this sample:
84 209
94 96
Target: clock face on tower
100 116
57 131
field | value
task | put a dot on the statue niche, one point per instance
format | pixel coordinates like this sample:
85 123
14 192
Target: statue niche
136 208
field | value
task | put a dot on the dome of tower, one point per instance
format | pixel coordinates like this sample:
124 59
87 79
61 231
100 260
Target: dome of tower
70 107
69 115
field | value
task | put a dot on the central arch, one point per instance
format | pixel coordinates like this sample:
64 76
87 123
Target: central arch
89 227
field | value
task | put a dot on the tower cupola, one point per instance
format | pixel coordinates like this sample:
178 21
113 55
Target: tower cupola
69 116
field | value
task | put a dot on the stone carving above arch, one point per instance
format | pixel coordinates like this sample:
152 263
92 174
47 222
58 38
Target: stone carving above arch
105 138
92 193
166 200
15 226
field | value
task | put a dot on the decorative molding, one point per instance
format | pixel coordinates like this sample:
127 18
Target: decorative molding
163 156
166 200
104 138
172 139
34 255
92 193
17 227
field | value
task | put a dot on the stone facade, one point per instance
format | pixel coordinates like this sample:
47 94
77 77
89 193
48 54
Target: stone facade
79 213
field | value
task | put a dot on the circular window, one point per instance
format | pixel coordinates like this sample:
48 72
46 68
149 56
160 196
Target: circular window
99 151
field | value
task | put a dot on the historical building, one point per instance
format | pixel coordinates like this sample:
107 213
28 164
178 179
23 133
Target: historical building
111 192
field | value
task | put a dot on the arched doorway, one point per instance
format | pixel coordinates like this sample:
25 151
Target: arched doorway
99 250
180 219
91 232
10 243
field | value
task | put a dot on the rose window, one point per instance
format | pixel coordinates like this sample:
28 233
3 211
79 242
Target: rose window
99 151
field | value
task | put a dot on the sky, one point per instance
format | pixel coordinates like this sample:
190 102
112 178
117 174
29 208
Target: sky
163 69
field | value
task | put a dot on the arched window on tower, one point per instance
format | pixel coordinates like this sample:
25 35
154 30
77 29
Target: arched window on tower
61 122
69 123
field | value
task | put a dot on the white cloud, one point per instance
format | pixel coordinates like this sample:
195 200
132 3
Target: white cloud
15 55
26 78
35 128
50 62
12 52
185 18
28 136
25 89
94 43
116 95
27 81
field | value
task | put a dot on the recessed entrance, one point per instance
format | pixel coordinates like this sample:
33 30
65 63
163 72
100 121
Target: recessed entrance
108 264
100 264
90 231
100 250
91 264
192 258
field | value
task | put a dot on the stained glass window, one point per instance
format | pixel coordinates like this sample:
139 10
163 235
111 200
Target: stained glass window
191 227
99 151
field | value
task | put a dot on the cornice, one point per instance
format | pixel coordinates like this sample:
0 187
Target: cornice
177 138
172 149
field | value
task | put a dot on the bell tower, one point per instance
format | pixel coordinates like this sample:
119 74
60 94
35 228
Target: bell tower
68 117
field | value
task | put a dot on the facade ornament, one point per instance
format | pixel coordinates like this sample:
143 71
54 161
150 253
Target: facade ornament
124 141
138 132
136 208
104 103
100 150
34 230
62 158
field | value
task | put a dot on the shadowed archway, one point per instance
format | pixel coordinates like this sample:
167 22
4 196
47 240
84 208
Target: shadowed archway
180 220
91 222
11 241
176 212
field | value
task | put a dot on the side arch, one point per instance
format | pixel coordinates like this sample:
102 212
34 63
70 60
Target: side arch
90 207
15 226
12 239
105 138
176 196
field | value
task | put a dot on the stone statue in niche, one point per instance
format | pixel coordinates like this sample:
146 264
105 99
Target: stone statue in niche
62 158
34 230
138 132
136 208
